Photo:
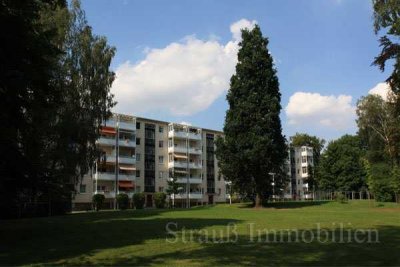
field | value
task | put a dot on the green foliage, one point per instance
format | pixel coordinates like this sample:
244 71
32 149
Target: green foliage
387 19
380 128
395 181
253 145
341 166
56 88
98 200
379 181
138 200
123 201
160 199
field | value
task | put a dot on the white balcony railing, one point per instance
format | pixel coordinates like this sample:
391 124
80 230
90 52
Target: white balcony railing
110 176
111 194
183 164
127 143
106 141
122 125
182 134
191 196
182 149
193 180
195 166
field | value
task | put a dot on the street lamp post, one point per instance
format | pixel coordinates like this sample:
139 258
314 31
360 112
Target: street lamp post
116 163
273 185
187 169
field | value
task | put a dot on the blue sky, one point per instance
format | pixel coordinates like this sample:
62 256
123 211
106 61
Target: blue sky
181 52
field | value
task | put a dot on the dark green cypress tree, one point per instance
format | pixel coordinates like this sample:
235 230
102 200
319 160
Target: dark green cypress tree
253 145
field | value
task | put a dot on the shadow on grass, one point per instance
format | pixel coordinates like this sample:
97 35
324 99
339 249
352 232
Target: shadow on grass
54 239
243 252
288 204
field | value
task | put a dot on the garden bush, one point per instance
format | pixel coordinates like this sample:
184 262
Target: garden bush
138 200
123 201
160 200
98 200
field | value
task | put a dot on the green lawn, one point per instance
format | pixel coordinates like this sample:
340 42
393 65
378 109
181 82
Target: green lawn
140 238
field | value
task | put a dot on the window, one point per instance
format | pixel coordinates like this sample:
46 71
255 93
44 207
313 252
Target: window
161 189
160 159
298 170
82 188
160 143
160 175
160 129
137 157
298 181
137 125
137 189
304 170
138 141
219 191
137 173
304 159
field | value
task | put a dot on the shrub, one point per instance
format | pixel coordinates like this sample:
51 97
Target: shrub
341 198
138 200
98 200
160 199
123 201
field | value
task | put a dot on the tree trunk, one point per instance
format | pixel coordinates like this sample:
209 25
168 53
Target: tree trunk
258 203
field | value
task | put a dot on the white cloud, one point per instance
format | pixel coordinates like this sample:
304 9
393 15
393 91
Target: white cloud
239 25
313 109
182 78
185 123
381 89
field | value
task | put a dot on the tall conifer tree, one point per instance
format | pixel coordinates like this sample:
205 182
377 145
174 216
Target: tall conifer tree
253 150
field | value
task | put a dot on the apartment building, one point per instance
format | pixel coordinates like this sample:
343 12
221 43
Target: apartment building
151 152
299 162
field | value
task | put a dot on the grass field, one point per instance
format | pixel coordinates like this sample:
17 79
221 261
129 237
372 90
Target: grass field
140 237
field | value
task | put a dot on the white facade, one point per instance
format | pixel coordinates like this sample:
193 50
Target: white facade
150 153
300 160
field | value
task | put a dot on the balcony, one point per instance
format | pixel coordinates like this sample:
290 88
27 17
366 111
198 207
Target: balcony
110 176
195 165
177 164
122 125
183 165
184 135
195 195
122 159
195 136
193 180
127 143
183 149
106 141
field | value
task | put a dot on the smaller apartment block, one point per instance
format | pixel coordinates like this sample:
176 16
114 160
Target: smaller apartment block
300 160
151 152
